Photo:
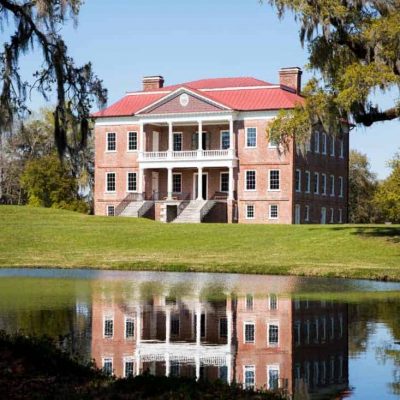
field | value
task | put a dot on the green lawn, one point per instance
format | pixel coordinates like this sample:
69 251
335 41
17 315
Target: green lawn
34 237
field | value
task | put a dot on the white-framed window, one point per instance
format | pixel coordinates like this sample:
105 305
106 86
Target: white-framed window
223 373
274 183
323 334
273 143
323 177
251 137
308 181
108 366
324 143
129 328
111 141
340 186
333 140
249 332
273 334
332 215
177 141
132 141
316 373
250 180
110 211
108 326
131 182
273 301
249 372
332 369
322 365
341 148
249 301
174 369
332 335
110 182
332 185
316 330
273 377
308 145
316 182
297 333
250 211
307 213
175 325
225 140
340 325
340 216
273 211
177 183
129 367
298 180
307 329
223 327
316 142
224 182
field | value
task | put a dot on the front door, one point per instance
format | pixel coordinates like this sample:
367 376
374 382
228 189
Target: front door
297 214
204 186
154 185
156 137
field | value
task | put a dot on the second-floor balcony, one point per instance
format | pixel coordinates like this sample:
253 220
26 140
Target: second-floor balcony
188 155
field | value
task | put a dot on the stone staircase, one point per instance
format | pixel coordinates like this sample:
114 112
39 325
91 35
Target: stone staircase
194 212
136 209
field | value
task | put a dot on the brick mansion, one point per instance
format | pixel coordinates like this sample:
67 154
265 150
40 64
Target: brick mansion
199 152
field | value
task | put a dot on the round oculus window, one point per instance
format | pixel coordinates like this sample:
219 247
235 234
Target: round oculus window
184 100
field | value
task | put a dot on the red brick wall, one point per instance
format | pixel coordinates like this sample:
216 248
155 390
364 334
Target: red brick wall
323 164
262 159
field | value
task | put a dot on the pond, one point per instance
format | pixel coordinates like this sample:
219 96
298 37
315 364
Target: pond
311 338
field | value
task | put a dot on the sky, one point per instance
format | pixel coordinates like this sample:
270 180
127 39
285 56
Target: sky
185 40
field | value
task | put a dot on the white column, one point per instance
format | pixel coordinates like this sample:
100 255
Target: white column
167 325
197 360
199 183
231 184
229 368
138 326
141 138
231 144
169 184
137 362
170 138
198 325
229 326
140 182
167 364
200 137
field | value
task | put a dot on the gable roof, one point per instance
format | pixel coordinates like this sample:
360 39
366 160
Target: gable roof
239 94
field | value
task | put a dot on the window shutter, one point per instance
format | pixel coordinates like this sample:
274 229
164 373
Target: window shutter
208 140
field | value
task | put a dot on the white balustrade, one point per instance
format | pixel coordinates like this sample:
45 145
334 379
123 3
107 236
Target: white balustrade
186 155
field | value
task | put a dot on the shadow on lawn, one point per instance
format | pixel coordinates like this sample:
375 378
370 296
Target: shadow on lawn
388 232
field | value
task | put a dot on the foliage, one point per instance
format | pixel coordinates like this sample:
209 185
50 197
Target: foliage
49 184
35 369
37 26
31 141
354 51
362 188
32 237
387 198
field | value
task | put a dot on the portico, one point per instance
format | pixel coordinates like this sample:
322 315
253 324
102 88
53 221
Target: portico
190 144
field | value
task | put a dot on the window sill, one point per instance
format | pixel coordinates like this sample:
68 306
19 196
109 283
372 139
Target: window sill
110 151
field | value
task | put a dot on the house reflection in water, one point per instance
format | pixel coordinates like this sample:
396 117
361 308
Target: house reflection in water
258 341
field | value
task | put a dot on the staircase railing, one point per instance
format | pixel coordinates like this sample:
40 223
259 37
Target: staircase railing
206 208
126 201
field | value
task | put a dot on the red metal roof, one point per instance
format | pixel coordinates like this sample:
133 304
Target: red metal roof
215 83
251 97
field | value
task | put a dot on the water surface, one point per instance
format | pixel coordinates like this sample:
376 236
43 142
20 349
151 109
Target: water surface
311 338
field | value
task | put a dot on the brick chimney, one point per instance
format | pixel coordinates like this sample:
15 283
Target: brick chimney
152 83
291 77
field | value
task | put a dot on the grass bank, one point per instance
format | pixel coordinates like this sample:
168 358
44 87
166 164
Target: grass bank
35 237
